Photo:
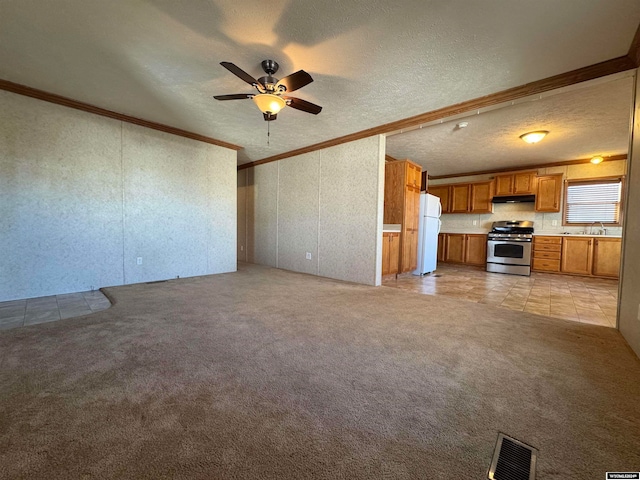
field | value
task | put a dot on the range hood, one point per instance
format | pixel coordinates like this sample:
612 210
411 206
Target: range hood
515 199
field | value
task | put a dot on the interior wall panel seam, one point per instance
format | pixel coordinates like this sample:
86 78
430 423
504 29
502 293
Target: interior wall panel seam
318 222
277 212
122 177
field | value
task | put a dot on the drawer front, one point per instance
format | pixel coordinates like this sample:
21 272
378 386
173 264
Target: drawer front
547 247
544 265
547 255
544 240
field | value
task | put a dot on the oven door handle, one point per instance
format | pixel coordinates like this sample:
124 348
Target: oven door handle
511 240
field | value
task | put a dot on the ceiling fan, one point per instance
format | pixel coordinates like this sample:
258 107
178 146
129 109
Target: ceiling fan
271 96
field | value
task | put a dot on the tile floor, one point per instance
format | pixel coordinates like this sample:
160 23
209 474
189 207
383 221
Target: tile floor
581 299
19 313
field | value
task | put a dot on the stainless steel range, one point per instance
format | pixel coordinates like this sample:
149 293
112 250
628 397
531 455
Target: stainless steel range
509 247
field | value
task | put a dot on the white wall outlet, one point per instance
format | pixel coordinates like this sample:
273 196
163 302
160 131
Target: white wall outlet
475 222
554 223
242 248
139 261
308 255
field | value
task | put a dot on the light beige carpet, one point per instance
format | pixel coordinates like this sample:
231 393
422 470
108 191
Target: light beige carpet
267 374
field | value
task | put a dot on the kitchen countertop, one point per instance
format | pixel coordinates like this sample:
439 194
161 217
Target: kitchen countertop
391 227
470 231
542 234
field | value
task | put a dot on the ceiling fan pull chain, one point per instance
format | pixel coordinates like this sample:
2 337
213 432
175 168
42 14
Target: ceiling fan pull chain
268 132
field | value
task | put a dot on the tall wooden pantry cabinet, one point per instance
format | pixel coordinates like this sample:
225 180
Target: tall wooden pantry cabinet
402 205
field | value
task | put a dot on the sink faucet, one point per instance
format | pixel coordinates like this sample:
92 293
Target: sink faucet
604 230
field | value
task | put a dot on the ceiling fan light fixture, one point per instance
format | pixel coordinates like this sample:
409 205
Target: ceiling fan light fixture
534 137
597 159
269 103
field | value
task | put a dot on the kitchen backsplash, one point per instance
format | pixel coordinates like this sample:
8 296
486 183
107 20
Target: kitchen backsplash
542 222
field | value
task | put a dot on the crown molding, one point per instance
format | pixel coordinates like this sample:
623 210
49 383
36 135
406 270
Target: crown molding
591 72
634 49
85 107
610 158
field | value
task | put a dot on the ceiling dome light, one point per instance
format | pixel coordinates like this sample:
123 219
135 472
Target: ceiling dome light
269 103
597 159
534 137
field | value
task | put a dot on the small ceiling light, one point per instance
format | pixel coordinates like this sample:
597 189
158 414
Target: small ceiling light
534 137
597 159
462 124
269 103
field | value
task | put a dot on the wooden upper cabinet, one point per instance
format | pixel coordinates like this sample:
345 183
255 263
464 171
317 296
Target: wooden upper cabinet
548 194
442 192
413 175
606 257
481 196
521 183
524 183
504 185
460 198
394 186
577 254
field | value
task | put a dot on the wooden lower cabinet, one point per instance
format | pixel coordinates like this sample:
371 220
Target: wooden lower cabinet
390 252
588 256
467 248
454 248
409 251
546 254
476 249
577 253
606 257
441 246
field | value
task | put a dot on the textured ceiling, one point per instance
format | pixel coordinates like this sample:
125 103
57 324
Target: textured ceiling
583 121
373 61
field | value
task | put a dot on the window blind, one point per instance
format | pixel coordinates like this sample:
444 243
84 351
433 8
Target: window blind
595 201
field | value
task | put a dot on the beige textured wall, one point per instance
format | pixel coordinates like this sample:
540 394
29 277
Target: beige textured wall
328 203
298 204
262 214
629 310
543 222
82 196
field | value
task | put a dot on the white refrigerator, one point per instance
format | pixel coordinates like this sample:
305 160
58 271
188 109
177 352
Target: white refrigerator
428 230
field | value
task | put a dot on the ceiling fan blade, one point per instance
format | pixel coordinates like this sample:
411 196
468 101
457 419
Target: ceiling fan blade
235 96
303 105
238 72
295 81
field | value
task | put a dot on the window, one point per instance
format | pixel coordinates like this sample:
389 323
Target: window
593 201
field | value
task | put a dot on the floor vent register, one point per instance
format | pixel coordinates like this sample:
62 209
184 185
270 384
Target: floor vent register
513 460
